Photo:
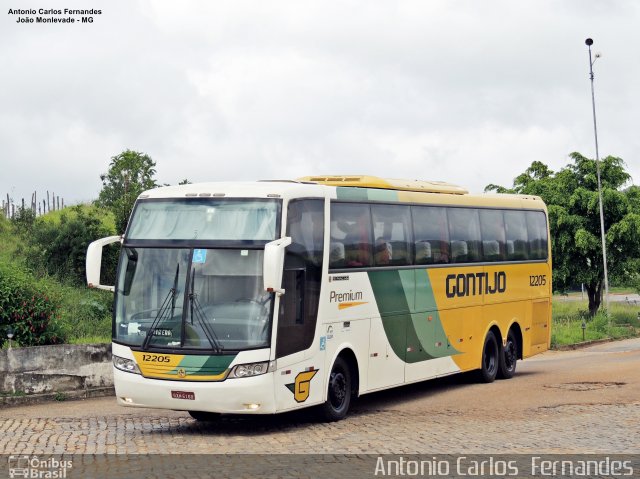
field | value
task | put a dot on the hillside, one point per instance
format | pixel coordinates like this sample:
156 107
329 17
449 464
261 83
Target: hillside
45 304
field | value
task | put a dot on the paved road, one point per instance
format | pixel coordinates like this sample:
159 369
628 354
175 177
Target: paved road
559 402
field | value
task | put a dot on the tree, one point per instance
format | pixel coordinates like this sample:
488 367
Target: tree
58 246
130 173
571 196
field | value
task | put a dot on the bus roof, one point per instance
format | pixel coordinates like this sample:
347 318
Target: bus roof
365 181
356 188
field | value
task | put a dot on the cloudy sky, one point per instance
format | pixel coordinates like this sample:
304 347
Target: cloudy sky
469 92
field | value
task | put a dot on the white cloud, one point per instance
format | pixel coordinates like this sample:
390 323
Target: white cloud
463 91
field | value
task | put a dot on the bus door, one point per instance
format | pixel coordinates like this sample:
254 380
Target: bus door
297 356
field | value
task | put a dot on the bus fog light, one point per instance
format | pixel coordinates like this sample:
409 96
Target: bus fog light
127 365
252 369
251 407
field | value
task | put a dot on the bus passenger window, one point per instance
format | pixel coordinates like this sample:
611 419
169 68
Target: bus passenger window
537 229
493 238
351 233
517 238
431 233
464 228
391 229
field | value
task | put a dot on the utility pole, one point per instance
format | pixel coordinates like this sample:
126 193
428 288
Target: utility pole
589 42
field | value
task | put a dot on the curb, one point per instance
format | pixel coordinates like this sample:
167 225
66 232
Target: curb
10 401
585 344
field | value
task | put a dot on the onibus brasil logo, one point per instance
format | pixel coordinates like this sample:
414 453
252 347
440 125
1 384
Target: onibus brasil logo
34 467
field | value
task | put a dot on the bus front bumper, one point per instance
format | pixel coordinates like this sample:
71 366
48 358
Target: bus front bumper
250 395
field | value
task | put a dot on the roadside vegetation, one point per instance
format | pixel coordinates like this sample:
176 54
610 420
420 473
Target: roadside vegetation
43 295
569 317
43 299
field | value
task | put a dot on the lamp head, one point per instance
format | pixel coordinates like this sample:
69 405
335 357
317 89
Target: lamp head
588 42
9 332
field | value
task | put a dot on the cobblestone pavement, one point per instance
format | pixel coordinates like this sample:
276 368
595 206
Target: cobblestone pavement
560 402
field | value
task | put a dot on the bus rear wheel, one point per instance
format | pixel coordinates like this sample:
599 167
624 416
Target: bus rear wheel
203 416
490 359
338 400
508 357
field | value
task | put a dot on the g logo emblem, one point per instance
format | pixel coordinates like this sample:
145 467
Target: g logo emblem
302 385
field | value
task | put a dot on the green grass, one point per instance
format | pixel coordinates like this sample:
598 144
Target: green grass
85 314
106 217
621 290
13 394
568 317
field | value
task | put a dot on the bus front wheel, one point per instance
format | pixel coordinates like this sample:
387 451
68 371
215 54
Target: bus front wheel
339 392
490 359
508 357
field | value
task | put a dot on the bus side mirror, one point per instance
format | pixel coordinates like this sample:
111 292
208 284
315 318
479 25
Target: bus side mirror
94 262
274 265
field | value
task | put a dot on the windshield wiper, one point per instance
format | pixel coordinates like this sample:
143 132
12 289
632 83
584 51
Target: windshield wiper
170 299
198 313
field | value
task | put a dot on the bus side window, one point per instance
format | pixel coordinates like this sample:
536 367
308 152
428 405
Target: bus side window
391 228
537 229
493 238
464 228
431 233
292 303
351 230
517 238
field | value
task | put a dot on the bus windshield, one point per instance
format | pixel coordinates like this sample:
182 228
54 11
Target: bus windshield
209 219
189 298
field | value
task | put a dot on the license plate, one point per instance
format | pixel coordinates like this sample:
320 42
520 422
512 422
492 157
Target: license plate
183 395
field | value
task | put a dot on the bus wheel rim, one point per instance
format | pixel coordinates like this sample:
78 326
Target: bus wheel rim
337 390
510 355
490 357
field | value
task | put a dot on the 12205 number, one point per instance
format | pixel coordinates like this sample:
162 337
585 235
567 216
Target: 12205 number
538 280
155 358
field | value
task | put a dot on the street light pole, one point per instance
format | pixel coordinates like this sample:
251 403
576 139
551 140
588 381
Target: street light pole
589 42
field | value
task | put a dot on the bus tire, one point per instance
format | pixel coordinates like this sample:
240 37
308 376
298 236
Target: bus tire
338 400
204 416
508 357
490 359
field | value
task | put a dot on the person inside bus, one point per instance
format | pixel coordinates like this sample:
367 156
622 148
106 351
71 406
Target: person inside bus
357 245
383 252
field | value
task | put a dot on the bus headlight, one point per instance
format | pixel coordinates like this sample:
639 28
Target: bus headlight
252 369
127 365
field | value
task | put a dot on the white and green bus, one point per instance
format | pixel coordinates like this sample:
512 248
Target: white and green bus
265 297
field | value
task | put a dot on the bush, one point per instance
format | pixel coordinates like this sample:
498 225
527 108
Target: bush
59 248
23 220
85 314
4 224
26 308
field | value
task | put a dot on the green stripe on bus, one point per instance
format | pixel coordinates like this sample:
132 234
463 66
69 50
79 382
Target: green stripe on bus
412 336
393 308
431 333
212 365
